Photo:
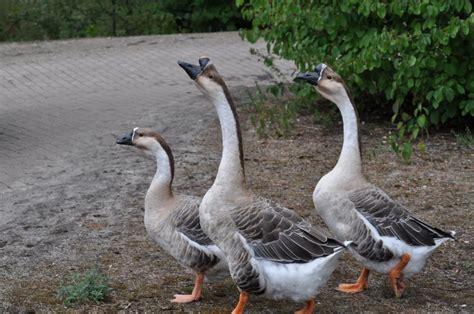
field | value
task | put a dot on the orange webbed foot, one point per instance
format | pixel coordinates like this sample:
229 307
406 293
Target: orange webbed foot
185 298
350 287
361 284
195 295
308 307
396 276
243 298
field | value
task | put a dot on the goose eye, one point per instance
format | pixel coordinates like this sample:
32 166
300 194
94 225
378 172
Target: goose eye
329 77
140 134
211 76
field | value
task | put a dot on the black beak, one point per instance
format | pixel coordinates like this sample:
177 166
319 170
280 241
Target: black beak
310 77
192 70
125 139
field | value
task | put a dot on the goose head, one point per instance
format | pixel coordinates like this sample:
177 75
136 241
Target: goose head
145 139
206 77
326 81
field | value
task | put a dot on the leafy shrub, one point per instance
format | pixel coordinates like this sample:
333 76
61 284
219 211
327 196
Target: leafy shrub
56 19
411 56
92 286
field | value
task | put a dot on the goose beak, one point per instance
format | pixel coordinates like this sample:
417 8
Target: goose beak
192 70
125 139
312 77
309 77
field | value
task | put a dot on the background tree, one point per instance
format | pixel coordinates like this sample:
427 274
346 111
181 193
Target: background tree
414 57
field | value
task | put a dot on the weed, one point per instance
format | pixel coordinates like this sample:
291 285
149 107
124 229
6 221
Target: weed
271 114
464 139
91 286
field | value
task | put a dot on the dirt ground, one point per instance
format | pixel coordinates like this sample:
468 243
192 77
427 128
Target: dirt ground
95 220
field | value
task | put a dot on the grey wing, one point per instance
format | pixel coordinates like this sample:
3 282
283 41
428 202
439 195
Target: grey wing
186 220
186 223
393 220
278 234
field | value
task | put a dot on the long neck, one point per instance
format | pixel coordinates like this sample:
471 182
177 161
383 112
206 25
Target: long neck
350 157
160 192
231 173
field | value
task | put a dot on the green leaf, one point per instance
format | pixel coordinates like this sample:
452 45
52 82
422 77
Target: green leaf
448 93
381 11
460 89
421 121
458 4
467 6
405 116
407 151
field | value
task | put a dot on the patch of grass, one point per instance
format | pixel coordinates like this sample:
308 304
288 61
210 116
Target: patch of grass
465 139
90 286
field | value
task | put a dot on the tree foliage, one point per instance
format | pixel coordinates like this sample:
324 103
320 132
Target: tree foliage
57 19
415 56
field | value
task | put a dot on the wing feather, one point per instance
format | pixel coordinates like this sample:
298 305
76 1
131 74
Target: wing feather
186 220
282 236
393 220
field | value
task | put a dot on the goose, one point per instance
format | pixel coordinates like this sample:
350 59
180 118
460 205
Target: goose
387 237
271 251
172 221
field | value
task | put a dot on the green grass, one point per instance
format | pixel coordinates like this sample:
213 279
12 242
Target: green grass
90 286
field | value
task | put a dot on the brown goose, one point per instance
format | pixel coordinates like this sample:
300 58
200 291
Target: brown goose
172 221
387 237
271 251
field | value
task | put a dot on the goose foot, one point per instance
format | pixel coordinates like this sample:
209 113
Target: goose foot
361 284
195 295
396 276
184 298
308 307
239 309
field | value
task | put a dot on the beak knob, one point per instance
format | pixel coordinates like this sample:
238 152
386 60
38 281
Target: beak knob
203 61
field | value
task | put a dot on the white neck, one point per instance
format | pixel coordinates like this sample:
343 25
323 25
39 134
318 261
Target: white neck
350 154
231 173
159 193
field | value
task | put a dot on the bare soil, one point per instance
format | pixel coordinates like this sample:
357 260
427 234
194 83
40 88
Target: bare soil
92 217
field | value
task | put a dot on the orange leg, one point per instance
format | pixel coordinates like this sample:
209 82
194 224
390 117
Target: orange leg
308 307
360 285
239 309
396 276
195 295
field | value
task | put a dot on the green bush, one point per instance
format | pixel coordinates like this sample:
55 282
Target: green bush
414 57
91 286
57 19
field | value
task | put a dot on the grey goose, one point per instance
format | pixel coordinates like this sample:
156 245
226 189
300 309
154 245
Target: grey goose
271 251
172 221
386 237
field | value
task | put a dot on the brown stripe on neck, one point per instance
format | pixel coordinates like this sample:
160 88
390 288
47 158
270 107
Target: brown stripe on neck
167 149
